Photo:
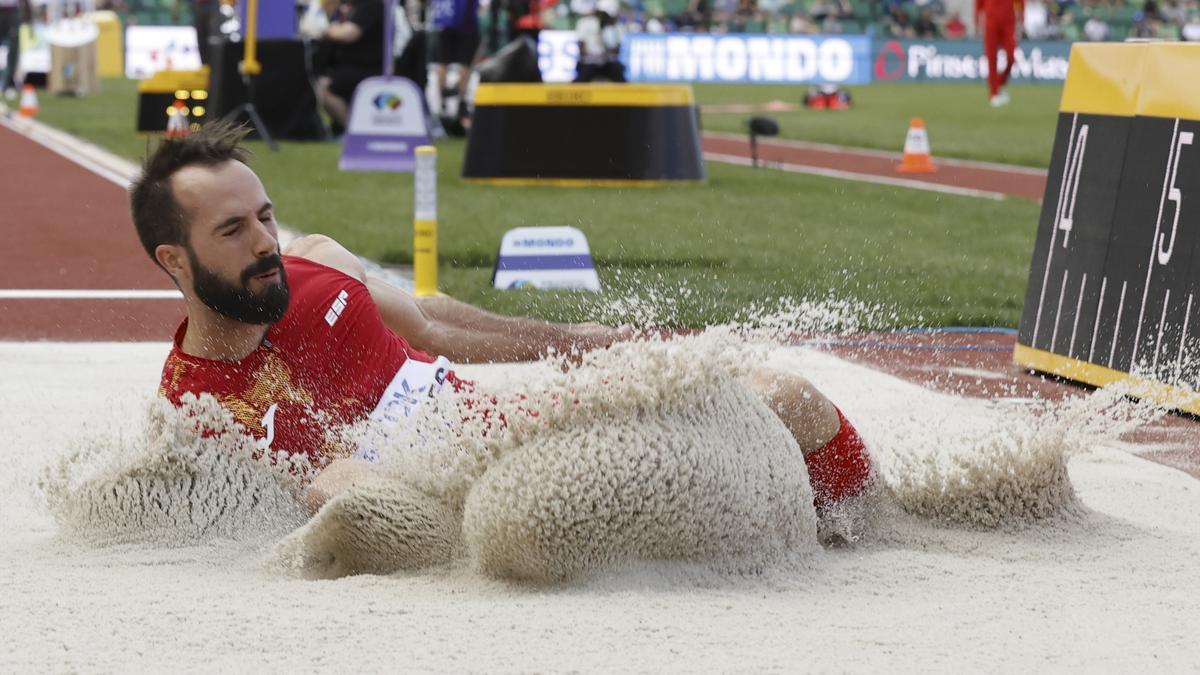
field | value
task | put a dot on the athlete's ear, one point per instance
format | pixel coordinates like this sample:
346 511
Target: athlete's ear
172 258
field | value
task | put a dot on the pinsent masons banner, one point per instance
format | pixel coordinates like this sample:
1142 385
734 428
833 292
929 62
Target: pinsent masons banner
963 61
746 58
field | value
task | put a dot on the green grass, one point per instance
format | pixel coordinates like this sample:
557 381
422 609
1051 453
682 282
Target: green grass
958 117
745 236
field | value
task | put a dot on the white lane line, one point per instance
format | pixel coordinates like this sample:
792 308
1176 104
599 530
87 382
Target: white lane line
1075 327
1162 324
1117 325
86 294
1154 243
1058 208
1062 293
869 152
1096 326
1187 314
851 175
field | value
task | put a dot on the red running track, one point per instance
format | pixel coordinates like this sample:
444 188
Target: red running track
67 228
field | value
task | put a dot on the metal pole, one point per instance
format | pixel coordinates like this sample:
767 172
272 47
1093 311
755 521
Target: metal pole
425 256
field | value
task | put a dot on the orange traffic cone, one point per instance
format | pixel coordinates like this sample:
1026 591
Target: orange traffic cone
29 104
177 121
916 157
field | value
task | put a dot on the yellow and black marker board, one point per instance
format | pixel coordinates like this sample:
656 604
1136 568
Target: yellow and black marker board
158 93
1114 285
584 134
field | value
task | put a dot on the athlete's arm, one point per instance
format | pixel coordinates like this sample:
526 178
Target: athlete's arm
446 327
321 249
466 334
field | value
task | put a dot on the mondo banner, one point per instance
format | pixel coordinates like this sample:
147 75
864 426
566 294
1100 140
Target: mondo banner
746 58
963 60
1114 284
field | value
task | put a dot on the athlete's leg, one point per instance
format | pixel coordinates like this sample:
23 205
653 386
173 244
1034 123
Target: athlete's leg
1008 40
838 463
806 413
990 48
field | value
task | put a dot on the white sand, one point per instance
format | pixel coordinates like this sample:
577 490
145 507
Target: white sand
1109 583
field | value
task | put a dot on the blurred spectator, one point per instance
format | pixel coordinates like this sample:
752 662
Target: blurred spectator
898 23
1147 22
600 44
1037 20
1068 29
926 27
955 29
1191 29
1096 29
10 37
801 24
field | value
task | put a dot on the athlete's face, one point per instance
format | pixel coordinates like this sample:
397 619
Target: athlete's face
230 258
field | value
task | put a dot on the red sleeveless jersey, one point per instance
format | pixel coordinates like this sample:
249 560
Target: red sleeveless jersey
326 363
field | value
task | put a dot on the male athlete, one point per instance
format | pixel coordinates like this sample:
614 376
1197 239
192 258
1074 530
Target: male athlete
997 22
296 343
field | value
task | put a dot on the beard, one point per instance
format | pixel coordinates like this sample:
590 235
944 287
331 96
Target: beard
237 301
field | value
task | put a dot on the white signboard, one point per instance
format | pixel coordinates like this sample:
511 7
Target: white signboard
387 125
149 49
545 258
558 52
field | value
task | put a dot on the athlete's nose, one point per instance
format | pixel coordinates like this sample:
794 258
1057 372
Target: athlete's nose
265 243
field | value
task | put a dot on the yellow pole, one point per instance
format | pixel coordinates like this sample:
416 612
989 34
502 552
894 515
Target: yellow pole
250 64
425 257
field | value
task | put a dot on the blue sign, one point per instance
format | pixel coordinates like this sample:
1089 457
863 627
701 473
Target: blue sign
747 58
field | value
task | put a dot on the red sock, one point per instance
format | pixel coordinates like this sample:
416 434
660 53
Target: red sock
840 468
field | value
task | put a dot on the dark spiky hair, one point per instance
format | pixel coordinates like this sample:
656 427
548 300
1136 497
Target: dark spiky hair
156 213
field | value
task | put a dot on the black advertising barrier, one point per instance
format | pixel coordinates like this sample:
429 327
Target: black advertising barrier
584 134
1114 285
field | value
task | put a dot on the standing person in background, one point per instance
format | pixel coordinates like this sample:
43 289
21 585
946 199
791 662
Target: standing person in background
357 53
600 44
456 41
997 22
10 37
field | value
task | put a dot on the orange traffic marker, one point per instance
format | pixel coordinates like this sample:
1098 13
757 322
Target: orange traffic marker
916 157
177 121
29 104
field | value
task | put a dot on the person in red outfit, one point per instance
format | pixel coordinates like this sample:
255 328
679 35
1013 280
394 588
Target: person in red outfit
999 22
296 342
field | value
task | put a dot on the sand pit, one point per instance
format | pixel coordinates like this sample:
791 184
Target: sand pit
1094 572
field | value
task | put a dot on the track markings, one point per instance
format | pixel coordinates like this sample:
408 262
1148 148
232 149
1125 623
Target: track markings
87 294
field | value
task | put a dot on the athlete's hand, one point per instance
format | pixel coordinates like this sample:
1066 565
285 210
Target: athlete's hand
595 335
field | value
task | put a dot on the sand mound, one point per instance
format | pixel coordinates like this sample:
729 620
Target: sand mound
173 486
970 464
378 528
714 478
